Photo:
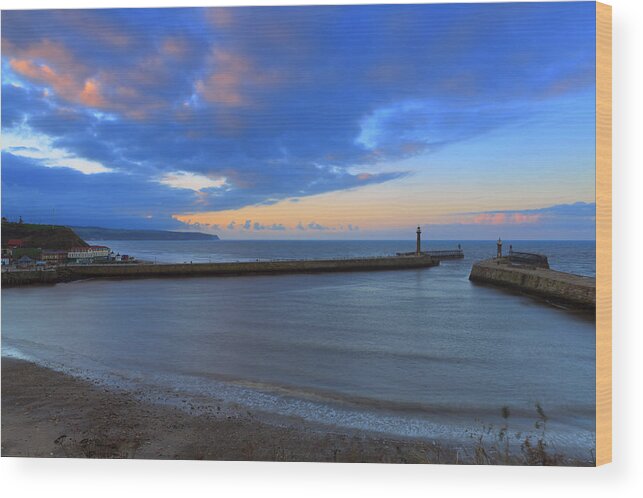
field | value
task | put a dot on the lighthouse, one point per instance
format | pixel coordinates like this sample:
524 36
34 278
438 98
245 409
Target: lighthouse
417 242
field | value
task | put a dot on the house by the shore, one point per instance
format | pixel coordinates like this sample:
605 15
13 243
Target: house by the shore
54 257
89 254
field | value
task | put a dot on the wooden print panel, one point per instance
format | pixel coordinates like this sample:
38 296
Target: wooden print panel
603 233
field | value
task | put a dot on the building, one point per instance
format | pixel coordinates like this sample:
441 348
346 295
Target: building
54 257
6 261
89 254
15 243
25 262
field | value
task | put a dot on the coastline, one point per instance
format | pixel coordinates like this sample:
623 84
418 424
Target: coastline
46 413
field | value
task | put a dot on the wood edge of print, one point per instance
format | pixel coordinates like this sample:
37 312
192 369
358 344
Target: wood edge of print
603 233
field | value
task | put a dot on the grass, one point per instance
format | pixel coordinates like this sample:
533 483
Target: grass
493 446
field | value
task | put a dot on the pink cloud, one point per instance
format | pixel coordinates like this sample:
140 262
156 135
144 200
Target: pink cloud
504 218
526 218
54 66
223 85
91 96
232 78
51 64
490 219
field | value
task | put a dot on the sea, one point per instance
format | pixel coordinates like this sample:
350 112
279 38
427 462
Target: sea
420 353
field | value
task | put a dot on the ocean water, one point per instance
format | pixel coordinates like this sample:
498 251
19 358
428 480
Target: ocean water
414 353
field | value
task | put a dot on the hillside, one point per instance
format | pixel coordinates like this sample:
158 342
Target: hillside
41 236
97 233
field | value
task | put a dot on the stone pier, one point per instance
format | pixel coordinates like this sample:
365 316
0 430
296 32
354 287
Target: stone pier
557 287
127 271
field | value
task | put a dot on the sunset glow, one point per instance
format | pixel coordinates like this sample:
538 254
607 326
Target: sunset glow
304 122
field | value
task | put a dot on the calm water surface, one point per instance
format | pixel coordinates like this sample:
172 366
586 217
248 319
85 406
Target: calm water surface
417 353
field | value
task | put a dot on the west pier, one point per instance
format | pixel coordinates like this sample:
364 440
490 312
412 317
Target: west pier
71 272
142 270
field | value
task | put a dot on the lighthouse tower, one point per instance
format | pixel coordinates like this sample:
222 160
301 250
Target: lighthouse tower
417 242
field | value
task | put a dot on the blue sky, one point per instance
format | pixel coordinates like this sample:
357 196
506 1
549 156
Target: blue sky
475 120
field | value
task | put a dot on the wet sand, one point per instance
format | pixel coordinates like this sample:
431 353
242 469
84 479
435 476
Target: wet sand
50 414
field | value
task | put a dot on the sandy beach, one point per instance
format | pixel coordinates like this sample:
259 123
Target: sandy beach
50 414
46 413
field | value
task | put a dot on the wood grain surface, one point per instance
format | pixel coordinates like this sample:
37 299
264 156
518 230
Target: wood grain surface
603 233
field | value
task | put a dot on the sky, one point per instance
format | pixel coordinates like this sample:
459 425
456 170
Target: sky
339 122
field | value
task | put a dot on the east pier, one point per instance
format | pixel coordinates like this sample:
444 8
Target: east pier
530 274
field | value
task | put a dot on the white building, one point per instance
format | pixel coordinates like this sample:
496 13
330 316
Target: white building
88 254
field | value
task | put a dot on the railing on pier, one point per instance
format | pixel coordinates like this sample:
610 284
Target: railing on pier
528 258
450 254
447 254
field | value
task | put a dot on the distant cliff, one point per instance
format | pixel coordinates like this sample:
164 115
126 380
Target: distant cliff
97 233
41 236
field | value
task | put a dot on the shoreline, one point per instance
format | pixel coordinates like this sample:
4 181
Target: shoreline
46 413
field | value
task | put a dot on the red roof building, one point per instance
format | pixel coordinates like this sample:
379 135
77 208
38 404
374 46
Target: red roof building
15 243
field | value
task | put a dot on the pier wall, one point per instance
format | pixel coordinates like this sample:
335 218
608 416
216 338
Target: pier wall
32 277
564 288
79 272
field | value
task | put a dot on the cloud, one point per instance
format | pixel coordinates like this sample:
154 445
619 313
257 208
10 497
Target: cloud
115 199
560 221
576 210
191 181
274 227
258 226
233 79
282 102
407 128
316 226
505 218
25 143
